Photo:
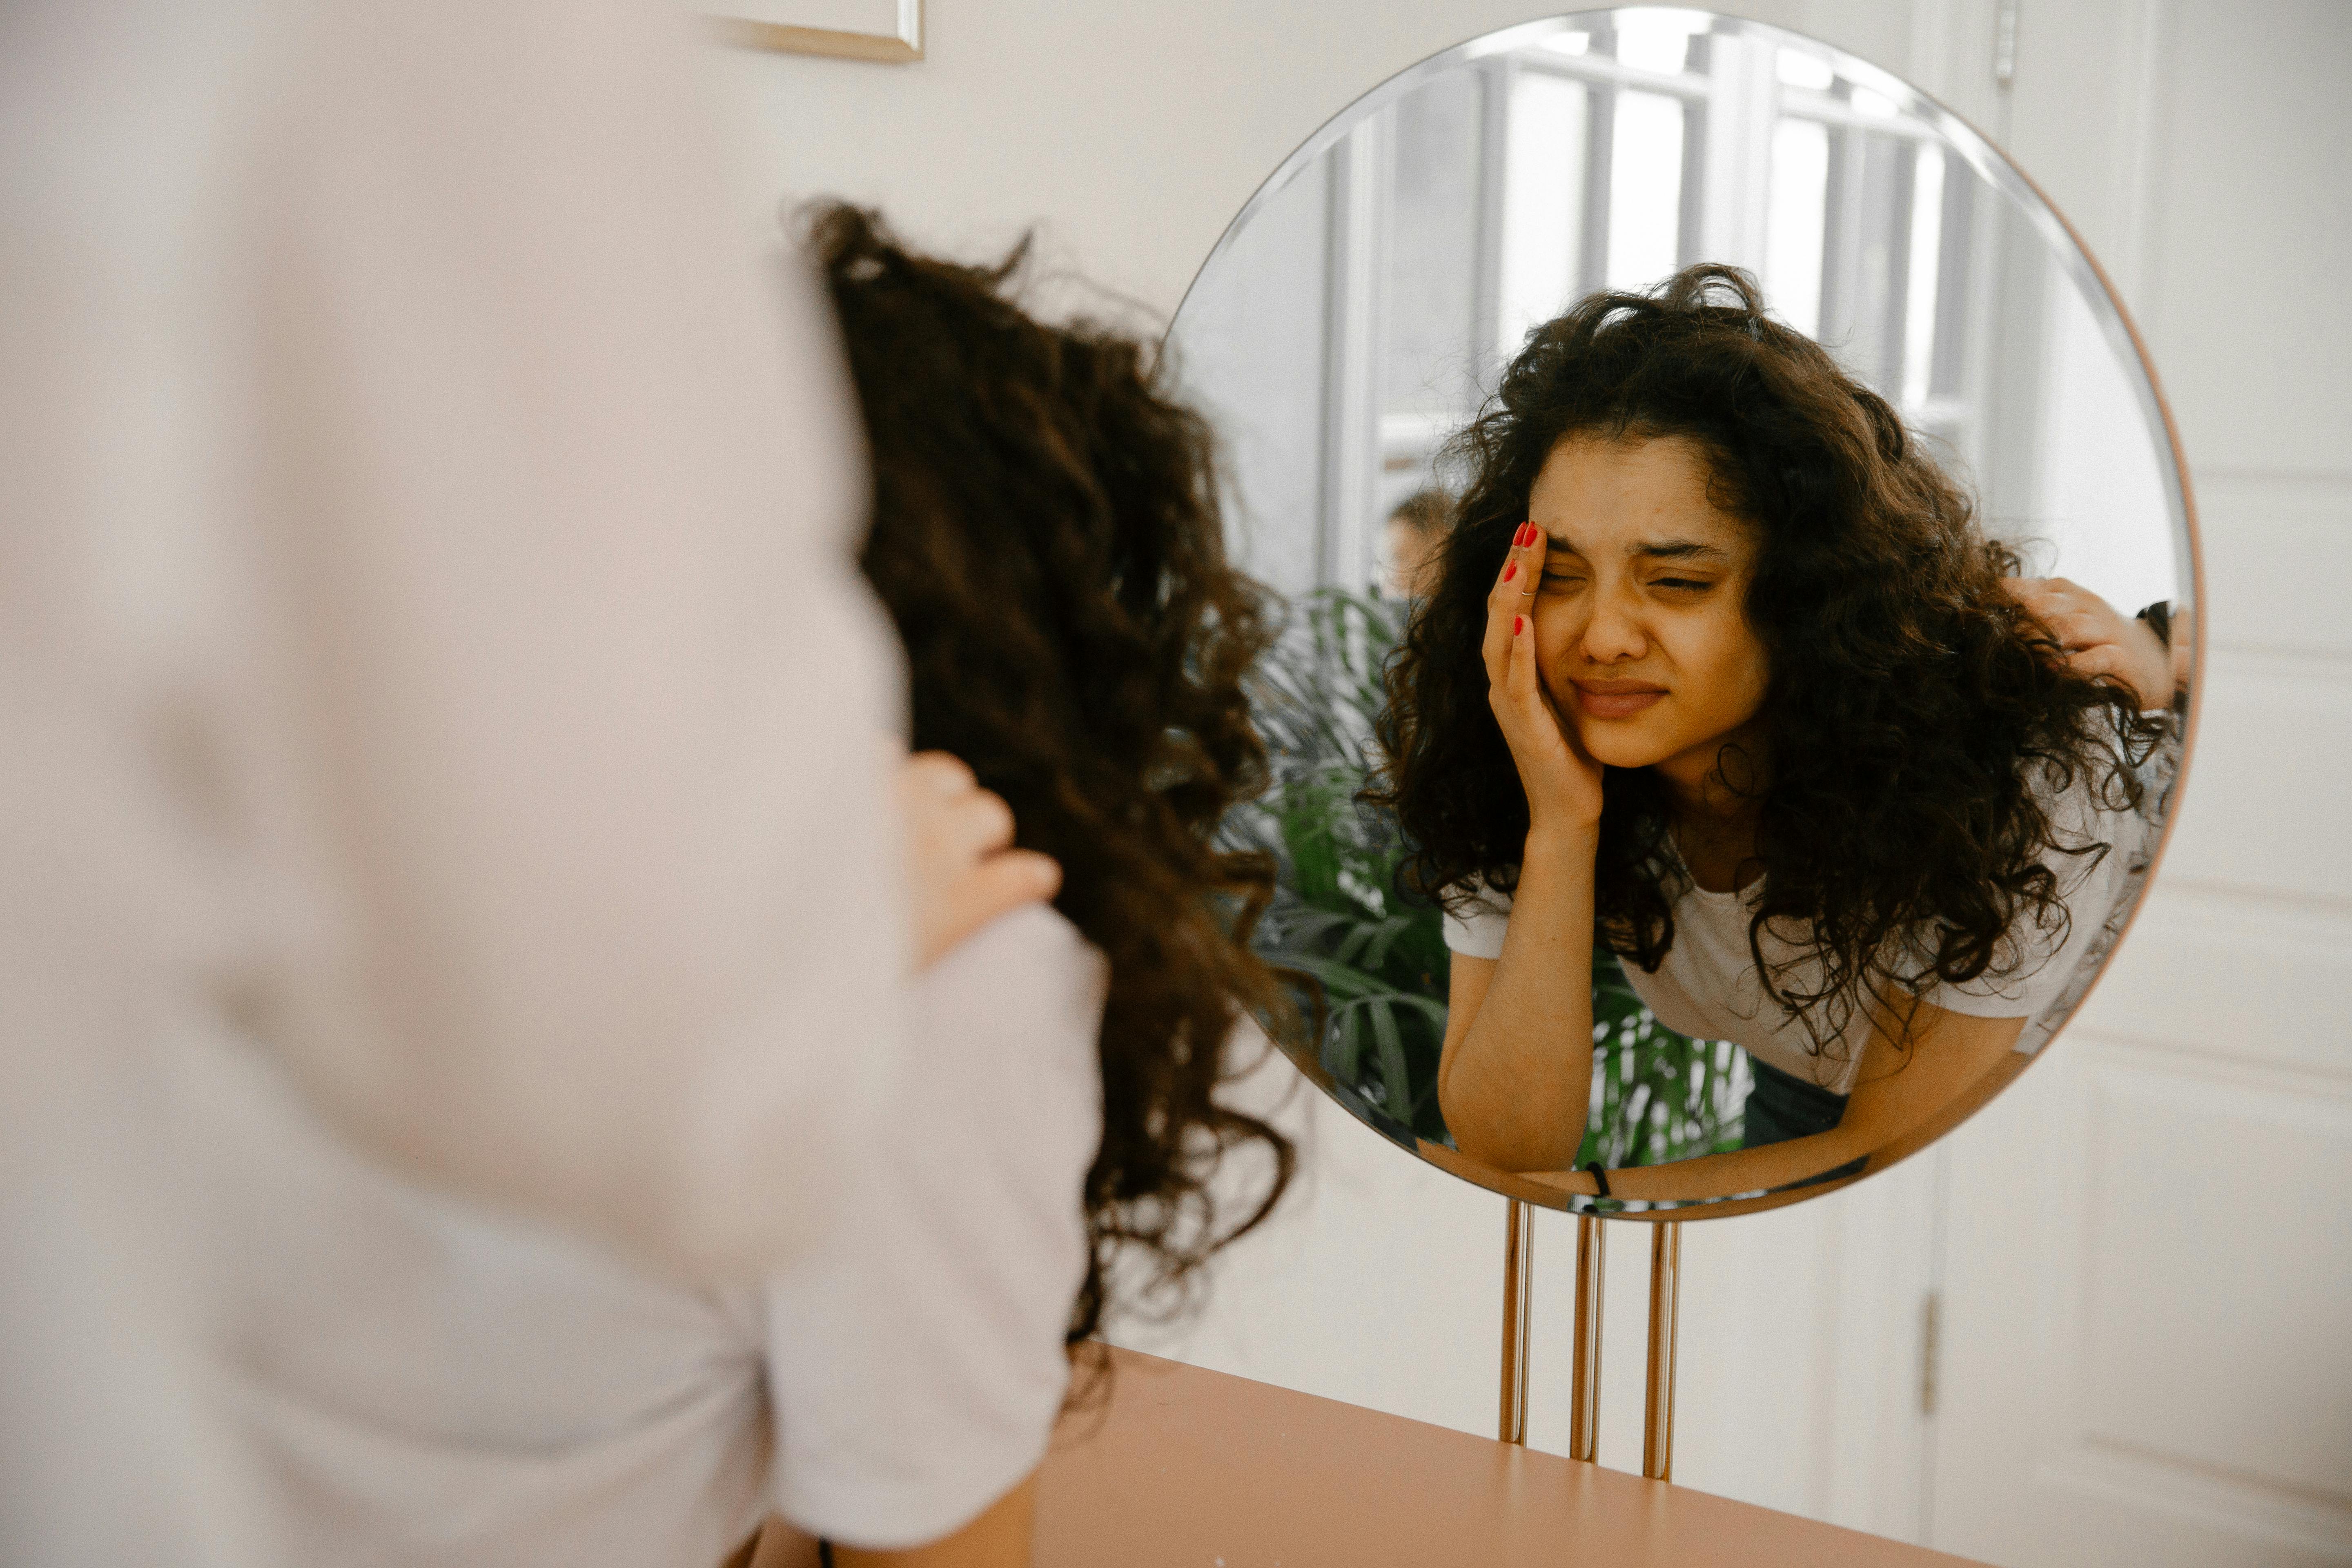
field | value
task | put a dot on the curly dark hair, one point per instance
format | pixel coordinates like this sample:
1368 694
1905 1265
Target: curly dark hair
1046 534
1920 725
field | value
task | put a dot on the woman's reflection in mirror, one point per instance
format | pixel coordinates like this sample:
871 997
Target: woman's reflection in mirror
1719 672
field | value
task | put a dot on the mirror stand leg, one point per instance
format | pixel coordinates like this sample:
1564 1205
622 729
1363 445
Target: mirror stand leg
1518 1292
1584 1384
1665 1290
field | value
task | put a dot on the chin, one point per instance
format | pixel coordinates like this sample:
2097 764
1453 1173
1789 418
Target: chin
1619 745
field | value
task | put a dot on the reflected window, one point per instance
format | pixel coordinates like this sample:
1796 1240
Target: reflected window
1794 68
1491 197
1543 203
1920 294
1645 175
1657 40
1800 209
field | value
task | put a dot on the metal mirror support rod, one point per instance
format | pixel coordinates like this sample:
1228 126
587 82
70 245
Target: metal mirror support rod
1584 1388
1519 1295
1584 1384
1658 1410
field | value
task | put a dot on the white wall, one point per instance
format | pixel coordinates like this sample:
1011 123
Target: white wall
1132 133
2152 1346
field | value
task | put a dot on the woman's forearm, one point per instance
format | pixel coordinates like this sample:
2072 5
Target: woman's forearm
1754 1170
1900 1086
1516 1086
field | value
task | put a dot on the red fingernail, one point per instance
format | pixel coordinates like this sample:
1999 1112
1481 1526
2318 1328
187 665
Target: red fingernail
1511 572
1518 625
1525 535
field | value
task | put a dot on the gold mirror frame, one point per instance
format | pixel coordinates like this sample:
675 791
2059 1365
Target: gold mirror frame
2074 255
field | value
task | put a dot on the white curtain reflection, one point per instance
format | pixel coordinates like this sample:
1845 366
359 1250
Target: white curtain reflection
1798 208
1645 189
1543 203
1920 297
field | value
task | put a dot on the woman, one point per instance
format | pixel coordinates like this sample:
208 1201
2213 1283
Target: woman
436 1383
1720 673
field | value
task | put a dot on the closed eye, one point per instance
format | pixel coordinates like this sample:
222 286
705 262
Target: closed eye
1684 584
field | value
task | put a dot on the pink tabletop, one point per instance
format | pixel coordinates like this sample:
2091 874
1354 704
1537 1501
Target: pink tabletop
1187 1468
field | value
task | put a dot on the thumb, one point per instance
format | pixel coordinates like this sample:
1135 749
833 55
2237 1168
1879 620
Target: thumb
1018 876
997 885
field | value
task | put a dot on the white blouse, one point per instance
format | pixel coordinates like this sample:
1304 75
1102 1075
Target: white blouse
1707 986
427 1381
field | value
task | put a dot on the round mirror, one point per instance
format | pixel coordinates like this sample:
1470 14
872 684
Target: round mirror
1740 616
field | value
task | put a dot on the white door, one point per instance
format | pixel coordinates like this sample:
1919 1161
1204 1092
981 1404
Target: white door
2147 1283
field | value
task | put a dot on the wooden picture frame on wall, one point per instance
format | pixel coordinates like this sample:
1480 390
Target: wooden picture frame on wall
902 47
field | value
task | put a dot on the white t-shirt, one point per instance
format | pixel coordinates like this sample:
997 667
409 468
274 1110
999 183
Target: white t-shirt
1707 986
428 1382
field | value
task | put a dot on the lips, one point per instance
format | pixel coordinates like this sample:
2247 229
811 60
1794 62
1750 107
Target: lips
1616 699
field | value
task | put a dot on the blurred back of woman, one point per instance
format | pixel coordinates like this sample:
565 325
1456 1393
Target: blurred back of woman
428 1380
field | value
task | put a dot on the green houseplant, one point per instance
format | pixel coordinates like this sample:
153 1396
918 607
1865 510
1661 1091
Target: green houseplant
1370 965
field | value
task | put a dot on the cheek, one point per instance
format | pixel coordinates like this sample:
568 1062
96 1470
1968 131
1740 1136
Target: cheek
1557 629
1734 679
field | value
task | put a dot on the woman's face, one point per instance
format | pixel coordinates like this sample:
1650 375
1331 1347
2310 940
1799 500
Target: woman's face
1641 632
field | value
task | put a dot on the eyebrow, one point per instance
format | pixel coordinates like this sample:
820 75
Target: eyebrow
1657 550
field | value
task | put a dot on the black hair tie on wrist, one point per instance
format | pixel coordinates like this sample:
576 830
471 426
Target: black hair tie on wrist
1599 1177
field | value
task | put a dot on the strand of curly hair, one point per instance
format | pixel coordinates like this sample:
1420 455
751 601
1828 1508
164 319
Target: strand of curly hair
1046 535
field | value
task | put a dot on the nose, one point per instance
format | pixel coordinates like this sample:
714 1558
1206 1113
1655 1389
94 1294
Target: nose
1614 635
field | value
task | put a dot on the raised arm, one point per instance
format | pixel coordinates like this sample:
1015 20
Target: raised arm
1514 1077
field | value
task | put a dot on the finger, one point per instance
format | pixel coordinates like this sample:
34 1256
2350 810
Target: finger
941 774
2055 616
1525 690
2030 591
1523 707
2104 659
997 885
979 822
2071 628
1506 598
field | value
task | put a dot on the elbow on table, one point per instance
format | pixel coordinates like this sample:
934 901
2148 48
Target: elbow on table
1506 1142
